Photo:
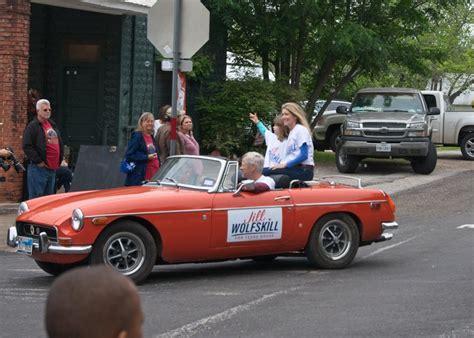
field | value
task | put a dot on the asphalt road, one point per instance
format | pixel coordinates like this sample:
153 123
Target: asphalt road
419 284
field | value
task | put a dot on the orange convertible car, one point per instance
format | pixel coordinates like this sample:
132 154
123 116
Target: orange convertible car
195 211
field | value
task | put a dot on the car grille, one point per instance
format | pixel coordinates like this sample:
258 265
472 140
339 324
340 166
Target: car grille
391 125
33 230
382 129
370 133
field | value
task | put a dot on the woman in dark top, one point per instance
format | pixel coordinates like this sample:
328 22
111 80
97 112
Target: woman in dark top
143 151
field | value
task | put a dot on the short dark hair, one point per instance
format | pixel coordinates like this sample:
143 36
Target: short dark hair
91 302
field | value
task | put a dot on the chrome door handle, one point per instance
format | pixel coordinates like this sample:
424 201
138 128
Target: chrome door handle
282 198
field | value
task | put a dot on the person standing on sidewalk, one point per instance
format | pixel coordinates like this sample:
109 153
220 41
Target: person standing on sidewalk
143 151
43 148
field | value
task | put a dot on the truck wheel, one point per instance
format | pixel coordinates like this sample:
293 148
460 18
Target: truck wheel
345 163
427 164
126 247
333 242
467 147
333 139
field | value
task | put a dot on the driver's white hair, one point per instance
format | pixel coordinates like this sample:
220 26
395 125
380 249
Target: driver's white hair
254 158
42 102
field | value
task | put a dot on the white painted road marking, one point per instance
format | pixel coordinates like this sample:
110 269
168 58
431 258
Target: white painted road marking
193 328
388 247
466 226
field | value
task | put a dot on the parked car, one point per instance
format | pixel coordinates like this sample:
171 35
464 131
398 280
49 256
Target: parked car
194 210
328 128
387 123
451 128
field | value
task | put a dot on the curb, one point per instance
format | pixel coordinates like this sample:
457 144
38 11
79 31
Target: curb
8 208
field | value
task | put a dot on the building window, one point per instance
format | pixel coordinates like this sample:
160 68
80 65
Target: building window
82 52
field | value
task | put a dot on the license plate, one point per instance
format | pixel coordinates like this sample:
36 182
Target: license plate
25 245
383 147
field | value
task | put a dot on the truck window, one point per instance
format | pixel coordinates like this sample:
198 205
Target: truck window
430 100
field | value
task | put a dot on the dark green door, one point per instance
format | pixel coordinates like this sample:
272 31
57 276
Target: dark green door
81 106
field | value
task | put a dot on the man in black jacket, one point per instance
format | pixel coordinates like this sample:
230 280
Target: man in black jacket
43 148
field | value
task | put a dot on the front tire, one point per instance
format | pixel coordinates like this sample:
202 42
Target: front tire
345 163
467 147
333 139
333 242
427 164
128 248
56 269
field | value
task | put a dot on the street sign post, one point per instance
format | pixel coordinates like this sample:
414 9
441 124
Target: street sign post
178 29
194 27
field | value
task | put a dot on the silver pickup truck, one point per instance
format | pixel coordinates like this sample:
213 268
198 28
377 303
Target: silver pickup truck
387 123
451 128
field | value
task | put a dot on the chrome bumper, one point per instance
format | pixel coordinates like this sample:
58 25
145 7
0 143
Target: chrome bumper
43 244
387 227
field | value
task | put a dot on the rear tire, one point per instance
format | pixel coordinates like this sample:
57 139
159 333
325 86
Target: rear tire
333 242
128 248
345 163
427 164
467 146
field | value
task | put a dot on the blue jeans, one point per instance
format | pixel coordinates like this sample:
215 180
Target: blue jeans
41 181
295 173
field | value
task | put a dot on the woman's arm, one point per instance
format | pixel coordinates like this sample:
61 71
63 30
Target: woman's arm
302 156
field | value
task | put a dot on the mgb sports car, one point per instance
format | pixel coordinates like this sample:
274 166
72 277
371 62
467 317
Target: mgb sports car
195 210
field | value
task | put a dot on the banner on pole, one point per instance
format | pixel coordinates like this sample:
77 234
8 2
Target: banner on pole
181 104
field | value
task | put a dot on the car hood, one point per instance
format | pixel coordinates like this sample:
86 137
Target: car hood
386 116
56 209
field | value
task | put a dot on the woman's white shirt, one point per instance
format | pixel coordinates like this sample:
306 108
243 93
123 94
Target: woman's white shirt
297 137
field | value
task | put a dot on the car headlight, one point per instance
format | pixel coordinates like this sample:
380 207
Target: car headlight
23 207
417 125
417 129
350 127
77 219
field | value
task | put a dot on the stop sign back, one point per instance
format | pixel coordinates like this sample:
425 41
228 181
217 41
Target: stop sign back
194 27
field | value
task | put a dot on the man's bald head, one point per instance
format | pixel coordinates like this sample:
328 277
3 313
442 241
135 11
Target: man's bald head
93 302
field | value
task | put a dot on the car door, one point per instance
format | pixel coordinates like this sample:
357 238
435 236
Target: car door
251 224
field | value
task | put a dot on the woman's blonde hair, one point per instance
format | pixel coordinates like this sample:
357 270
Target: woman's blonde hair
296 110
141 118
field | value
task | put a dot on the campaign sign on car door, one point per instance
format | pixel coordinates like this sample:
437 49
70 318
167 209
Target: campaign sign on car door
254 224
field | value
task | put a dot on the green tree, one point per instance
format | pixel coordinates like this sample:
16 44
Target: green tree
455 38
323 45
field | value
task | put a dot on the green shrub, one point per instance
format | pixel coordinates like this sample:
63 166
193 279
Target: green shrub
225 123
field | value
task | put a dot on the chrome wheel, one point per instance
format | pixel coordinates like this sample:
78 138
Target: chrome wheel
125 252
335 239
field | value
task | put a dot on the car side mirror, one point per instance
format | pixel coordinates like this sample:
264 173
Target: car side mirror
247 184
434 111
341 110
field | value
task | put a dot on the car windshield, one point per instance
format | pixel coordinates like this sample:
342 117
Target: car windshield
387 102
193 172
